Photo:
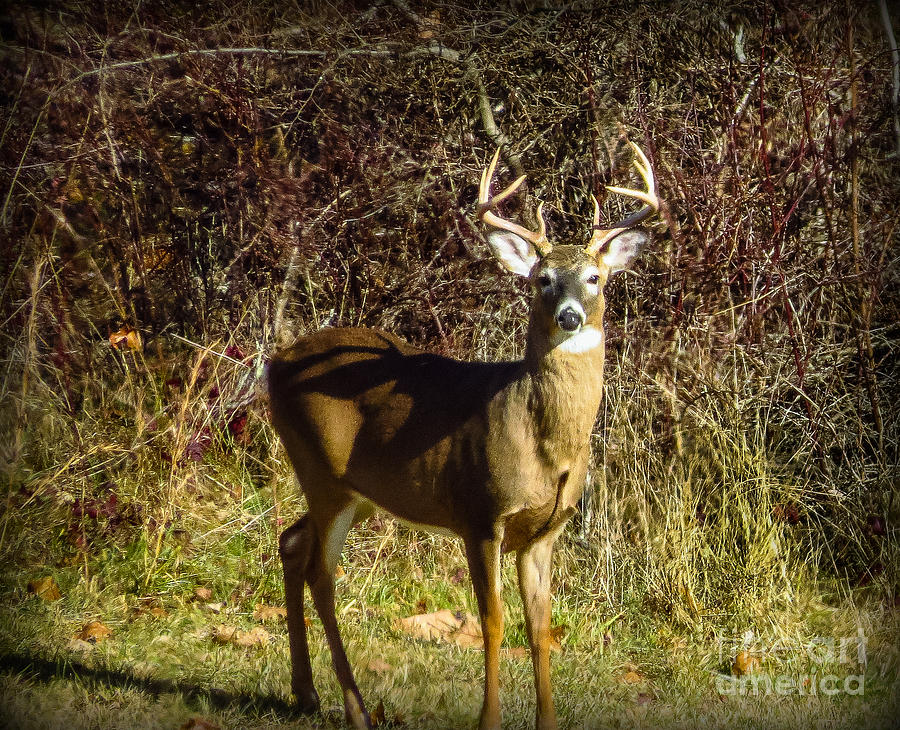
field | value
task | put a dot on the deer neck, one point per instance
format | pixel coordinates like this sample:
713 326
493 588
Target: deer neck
565 383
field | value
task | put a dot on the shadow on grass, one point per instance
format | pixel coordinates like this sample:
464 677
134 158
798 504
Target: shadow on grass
44 670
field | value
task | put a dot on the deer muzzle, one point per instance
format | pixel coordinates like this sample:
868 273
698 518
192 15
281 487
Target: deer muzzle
570 319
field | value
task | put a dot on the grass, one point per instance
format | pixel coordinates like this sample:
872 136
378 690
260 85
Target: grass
649 624
682 550
162 670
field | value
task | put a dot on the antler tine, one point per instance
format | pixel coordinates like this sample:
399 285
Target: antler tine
601 236
486 204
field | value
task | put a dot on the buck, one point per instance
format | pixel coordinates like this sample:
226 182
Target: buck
494 452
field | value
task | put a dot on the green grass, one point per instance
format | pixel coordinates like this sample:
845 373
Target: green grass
162 670
684 555
157 672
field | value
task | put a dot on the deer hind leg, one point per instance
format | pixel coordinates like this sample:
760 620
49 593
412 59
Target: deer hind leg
484 566
297 547
534 564
332 527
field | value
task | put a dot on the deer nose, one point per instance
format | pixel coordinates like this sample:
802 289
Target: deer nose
569 319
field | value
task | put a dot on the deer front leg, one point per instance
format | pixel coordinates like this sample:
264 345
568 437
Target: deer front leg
534 566
484 567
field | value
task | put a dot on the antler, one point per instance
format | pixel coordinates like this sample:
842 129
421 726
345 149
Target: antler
601 236
487 204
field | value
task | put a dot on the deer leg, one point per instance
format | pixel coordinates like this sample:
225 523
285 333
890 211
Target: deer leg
296 547
332 534
484 567
534 563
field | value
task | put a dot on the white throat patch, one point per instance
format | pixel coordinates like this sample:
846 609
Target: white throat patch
587 338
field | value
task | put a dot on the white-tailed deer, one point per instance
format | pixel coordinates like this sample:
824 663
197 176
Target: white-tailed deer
495 452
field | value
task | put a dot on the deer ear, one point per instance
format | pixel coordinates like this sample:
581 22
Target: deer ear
514 252
623 249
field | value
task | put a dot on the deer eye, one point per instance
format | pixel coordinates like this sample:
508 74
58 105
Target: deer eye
593 279
544 281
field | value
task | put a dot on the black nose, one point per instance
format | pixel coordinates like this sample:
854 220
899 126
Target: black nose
568 319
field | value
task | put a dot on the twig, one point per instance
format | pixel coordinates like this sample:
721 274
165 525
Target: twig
434 49
287 290
25 149
409 13
491 128
495 134
226 51
895 67
735 118
864 335
738 38
211 351
777 237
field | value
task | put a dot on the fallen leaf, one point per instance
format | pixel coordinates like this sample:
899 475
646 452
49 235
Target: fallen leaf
203 594
428 26
556 636
262 612
422 605
745 663
379 666
216 607
45 588
126 338
517 652
152 611
462 629
787 512
458 576
631 677
875 525
223 634
198 445
93 632
339 572
257 636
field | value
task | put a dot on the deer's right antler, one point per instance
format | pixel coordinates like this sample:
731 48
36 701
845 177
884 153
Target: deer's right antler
487 204
601 236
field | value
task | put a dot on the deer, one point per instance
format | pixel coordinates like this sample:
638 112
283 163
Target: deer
495 453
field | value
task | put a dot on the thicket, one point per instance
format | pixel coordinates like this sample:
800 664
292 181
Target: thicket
185 187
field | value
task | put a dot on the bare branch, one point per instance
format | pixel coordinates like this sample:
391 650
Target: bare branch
895 67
